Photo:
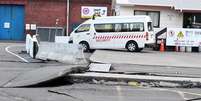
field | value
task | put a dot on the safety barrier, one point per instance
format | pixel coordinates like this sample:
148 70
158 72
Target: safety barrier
31 45
61 52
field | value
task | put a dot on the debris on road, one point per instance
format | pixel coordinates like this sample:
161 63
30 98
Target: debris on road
142 80
94 67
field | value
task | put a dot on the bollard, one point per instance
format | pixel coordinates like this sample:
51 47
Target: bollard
162 46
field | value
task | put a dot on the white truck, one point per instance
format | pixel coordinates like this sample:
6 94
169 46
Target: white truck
114 32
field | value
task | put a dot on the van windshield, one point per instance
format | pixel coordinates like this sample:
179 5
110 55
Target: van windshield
83 28
150 26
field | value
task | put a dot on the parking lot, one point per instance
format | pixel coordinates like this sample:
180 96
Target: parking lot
148 57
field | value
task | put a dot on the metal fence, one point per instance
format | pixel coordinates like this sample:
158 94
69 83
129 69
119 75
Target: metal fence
48 33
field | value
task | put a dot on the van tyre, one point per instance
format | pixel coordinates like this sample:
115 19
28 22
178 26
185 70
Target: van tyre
85 46
132 46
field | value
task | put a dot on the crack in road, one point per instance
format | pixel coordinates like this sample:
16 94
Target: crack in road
12 61
60 93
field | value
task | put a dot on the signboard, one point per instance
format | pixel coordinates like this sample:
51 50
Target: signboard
89 11
7 25
33 27
28 27
183 37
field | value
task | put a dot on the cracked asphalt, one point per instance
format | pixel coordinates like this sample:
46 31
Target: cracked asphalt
11 66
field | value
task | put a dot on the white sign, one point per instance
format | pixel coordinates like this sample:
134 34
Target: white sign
6 25
33 26
28 27
89 11
183 37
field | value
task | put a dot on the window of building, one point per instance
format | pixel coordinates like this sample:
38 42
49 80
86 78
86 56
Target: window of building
120 27
83 28
192 20
155 16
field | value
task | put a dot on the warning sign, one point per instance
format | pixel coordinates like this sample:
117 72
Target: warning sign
180 35
183 37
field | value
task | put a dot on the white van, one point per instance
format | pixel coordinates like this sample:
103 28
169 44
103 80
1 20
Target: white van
114 32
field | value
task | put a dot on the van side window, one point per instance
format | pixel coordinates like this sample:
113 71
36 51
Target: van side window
83 28
117 27
133 27
103 27
120 27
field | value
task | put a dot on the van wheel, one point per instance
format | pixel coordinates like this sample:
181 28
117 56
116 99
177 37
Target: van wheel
132 46
85 46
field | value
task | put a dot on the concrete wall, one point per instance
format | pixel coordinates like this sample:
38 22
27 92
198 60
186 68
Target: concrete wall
45 12
13 1
168 17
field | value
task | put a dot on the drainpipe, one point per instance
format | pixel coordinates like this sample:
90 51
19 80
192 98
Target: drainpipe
67 19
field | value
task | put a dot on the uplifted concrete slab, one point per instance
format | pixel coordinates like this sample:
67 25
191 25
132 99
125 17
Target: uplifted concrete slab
177 59
41 75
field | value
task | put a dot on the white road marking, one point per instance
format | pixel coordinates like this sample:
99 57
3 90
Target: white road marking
119 91
181 93
23 59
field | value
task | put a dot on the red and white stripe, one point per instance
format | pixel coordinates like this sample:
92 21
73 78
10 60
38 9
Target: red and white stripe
121 37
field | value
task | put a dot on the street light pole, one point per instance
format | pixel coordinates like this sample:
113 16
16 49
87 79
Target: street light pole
57 23
67 19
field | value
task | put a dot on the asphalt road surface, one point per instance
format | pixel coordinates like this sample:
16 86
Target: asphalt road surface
11 66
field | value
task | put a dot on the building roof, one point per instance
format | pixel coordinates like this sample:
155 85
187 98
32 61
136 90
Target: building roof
177 4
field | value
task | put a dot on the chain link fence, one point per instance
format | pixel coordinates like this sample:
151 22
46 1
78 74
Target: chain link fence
47 34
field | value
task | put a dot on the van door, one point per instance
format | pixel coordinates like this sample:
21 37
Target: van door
150 36
102 36
82 33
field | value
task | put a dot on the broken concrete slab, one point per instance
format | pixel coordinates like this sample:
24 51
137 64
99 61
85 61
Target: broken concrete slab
99 67
147 58
41 75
